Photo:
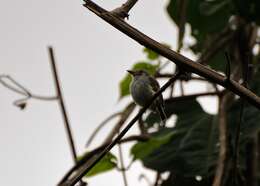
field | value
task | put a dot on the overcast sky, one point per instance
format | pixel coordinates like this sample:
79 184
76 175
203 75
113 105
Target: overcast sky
91 56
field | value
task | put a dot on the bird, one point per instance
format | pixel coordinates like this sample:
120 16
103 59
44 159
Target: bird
142 88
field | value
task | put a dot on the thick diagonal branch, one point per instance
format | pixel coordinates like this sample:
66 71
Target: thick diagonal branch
178 59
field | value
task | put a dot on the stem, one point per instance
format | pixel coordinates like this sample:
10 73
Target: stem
121 157
219 175
62 105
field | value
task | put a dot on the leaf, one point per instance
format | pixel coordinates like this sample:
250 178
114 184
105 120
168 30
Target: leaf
142 149
203 24
107 163
150 54
125 82
191 149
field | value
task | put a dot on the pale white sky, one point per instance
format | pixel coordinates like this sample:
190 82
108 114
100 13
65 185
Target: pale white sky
91 56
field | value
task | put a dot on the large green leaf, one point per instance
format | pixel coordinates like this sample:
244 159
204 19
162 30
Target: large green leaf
142 149
204 17
125 82
107 163
191 149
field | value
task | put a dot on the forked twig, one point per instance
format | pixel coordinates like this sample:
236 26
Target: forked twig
122 11
18 88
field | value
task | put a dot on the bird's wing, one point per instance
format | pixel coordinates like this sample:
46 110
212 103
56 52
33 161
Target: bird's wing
154 84
155 87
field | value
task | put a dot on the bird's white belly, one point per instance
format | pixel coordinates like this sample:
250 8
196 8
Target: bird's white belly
142 93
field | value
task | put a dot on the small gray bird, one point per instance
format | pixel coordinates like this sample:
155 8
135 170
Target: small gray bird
142 89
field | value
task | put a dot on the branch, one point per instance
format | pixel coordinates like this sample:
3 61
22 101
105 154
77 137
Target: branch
97 150
100 126
122 12
178 59
121 158
88 166
223 103
62 105
63 109
124 116
20 89
157 179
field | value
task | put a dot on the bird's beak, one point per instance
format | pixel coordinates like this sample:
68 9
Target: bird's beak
131 72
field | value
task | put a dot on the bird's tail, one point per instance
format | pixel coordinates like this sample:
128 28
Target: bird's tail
162 114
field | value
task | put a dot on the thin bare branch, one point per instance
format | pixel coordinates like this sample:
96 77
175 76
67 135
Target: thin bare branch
100 126
128 166
87 167
62 105
182 88
121 158
20 89
124 116
223 103
228 68
178 59
157 179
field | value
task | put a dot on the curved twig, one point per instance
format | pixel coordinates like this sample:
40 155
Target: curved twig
100 126
121 158
124 116
20 89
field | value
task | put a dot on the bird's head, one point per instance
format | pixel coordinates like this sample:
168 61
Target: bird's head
136 73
